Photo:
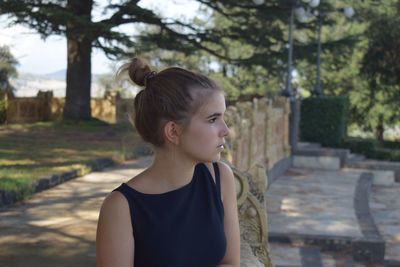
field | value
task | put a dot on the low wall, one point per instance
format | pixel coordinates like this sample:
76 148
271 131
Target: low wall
259 133
44 107
257 144
28 109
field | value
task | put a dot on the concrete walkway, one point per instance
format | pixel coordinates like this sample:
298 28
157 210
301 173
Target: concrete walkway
317 203
57 227
332 217
385 208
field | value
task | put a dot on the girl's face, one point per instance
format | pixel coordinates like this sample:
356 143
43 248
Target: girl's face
203 140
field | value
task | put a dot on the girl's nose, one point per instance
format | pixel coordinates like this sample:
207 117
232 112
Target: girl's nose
225 130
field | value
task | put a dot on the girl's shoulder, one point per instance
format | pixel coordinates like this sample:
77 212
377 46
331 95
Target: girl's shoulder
114 244
115 205
226 177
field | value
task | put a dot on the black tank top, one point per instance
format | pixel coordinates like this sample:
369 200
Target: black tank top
179 228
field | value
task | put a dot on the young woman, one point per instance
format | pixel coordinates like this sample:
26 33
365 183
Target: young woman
181 211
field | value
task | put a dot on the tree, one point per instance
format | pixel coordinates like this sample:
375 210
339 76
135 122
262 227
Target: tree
7 70
344 70
253 40
259 32
380 67
72 18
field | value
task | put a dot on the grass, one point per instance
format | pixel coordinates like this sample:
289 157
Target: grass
31 151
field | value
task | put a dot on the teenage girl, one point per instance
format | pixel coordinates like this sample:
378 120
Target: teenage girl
181 211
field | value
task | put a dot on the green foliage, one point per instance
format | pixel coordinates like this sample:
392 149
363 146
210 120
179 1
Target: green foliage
324 120
22 187
369 106
386 154
340 51
239 44
339 70
364 146
232 92
375 97
380 67
7 69
391 144
373 90
372 149
3 109
381 62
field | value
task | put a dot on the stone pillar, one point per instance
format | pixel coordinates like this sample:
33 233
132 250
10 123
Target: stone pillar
44 98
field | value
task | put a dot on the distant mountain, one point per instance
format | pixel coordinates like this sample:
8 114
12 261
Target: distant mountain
57 75
28 84
62 75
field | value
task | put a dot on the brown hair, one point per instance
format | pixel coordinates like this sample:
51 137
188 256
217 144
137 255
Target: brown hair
172 94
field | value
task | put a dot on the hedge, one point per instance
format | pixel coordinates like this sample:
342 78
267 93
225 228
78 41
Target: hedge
391 144
324 120
362 146
371 148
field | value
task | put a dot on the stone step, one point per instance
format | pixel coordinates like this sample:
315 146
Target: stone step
320 158
392 263
307 145
385 172
355 158
285 255
385 209
290 255
342 259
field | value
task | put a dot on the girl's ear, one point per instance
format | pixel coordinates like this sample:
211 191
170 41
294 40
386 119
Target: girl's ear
172 132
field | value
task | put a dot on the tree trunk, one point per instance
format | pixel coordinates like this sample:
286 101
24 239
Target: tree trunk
79 51
379 129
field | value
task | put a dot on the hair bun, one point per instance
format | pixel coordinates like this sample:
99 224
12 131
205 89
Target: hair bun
139 71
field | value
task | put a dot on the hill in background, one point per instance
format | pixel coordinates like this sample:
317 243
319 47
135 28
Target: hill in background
28 84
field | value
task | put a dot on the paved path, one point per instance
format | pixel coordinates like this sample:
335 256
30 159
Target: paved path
313 203
385 208
313 212
57 227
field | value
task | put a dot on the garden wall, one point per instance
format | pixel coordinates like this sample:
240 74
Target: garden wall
44 107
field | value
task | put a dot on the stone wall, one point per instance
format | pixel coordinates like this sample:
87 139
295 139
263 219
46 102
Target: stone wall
111 108
28 109
259 133
258 141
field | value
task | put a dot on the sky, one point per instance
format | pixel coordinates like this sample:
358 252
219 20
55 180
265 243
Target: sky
46 56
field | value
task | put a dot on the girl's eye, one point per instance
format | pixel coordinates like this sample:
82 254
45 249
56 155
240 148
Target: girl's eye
212 120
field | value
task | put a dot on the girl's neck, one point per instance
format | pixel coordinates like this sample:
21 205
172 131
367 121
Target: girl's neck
170 169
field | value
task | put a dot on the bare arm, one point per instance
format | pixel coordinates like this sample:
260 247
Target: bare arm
231 220
114 240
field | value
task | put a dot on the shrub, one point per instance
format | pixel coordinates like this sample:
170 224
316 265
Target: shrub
371 148
324 120
362 146
386 154
391 144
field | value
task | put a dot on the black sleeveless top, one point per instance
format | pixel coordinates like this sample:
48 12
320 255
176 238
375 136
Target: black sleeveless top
179 228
